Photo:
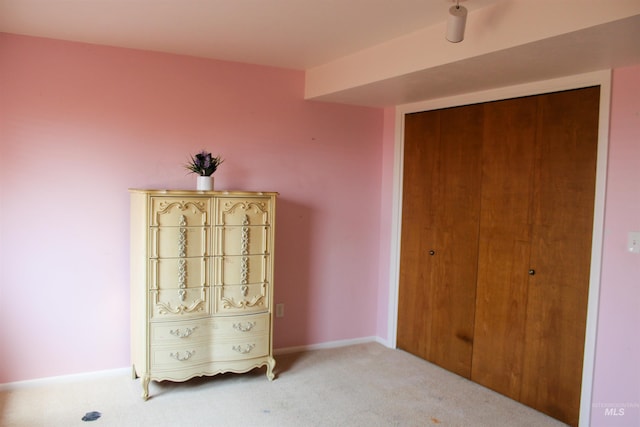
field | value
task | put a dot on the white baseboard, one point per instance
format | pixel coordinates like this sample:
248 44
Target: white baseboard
330 344
38 382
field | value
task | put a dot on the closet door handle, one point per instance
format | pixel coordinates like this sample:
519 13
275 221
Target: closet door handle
432 252
532 272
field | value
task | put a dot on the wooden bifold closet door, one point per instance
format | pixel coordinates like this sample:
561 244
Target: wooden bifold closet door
496 242
440 218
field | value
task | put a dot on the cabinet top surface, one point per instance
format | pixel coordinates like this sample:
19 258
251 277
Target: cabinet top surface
160 192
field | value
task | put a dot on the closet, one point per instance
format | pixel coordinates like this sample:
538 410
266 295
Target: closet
497 218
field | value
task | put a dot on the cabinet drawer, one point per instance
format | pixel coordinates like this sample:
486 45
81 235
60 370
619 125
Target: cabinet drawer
180 356
243 211
241 299
174 273
193 331
180 212
249 348
180 332
245 240
241 326
175 304
177 242
241 270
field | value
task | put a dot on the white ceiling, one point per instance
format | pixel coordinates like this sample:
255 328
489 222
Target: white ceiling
296 34
320 35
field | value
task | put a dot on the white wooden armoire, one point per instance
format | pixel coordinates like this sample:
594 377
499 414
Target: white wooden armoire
201 283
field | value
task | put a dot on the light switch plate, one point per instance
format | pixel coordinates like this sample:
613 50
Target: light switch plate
633 244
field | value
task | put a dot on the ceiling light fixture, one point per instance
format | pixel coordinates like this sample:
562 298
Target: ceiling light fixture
456 23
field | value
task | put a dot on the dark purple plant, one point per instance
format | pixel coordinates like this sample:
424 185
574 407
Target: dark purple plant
204 164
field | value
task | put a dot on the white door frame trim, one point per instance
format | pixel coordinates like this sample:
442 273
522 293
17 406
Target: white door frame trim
598 78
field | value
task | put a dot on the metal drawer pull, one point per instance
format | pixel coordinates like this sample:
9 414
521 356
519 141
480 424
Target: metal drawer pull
183 334
244 328
243 350
187 355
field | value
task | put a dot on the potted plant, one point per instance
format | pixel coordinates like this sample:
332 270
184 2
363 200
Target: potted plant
204 164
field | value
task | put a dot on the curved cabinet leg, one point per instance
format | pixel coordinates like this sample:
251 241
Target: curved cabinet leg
145 386
271 363
134 374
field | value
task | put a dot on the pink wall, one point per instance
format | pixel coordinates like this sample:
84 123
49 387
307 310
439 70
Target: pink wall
79 124
616 397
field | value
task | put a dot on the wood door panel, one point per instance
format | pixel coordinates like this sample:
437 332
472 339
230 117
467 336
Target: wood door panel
422 135
454 292
505 230
437 292
561 252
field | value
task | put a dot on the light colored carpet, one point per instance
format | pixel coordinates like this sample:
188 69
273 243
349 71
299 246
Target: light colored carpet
360 385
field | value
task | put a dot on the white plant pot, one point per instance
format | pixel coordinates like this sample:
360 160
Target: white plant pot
204 183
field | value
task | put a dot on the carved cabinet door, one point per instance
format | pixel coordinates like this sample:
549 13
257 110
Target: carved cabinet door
242 260
179 260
